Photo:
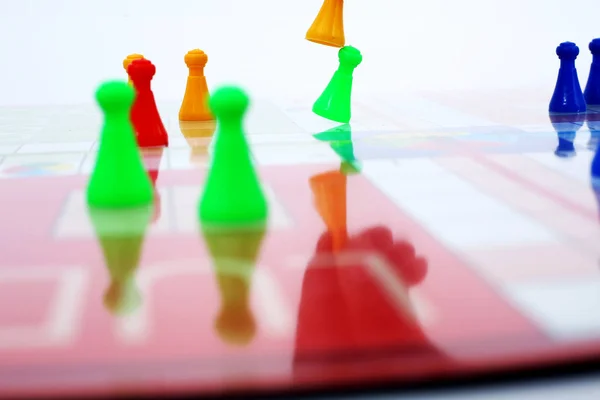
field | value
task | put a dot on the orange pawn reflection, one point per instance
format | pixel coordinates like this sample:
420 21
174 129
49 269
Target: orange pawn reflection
329 191
198 135
128 61
234 254
195 100
328 27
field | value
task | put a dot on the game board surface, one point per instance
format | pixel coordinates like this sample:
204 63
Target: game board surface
494 201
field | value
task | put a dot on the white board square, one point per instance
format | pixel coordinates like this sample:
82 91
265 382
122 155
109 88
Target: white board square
565 308
52 147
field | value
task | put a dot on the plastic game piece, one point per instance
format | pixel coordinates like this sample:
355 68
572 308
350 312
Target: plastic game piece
329 191
121 236
592 89
144 114
335 101
194 106
234 254
328 26
567 97
566 127
128 61
119 179
232 194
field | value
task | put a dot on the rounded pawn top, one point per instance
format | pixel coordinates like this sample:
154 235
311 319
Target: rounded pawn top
567 51
349 55
115 96
595 46
229 102
141 68
130 58
195 58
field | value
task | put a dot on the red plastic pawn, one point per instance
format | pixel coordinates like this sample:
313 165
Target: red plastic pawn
149 128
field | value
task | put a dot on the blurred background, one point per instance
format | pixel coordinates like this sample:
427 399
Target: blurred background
57 51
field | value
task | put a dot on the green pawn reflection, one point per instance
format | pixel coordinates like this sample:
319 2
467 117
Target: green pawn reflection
232 194
121 235
335 102
340 140
119 179
235 253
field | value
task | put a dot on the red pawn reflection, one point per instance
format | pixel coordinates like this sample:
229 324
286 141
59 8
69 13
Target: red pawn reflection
150 131
346 310
152 158
401 254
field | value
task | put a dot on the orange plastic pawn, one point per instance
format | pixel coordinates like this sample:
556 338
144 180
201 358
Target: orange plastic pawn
128 61
328 27
195 100
329 191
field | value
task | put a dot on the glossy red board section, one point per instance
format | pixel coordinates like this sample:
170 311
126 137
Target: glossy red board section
310 317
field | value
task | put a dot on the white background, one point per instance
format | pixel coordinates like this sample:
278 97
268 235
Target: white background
57 51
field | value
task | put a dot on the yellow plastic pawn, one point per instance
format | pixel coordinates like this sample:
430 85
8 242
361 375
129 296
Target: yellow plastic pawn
328 27
128 61
194 106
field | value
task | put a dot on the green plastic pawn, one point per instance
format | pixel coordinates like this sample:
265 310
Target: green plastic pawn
119 179
335 101
233 196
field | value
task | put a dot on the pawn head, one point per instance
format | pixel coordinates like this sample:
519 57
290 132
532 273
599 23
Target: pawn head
595 46
122 300
195 58
236 327
115 96
141 69
229 102
350 56
130 58
567 51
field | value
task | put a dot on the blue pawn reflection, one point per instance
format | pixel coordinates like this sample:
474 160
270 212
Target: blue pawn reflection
566 127
593 123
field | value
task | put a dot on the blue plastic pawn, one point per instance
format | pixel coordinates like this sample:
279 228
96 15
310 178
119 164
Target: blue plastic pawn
592 89
567 97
